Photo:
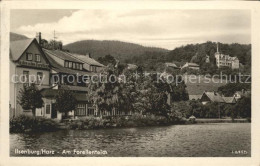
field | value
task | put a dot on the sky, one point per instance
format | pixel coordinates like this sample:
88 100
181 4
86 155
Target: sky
159 28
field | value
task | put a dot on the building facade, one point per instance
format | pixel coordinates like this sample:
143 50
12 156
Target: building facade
50 70
28 64
223 60
193 66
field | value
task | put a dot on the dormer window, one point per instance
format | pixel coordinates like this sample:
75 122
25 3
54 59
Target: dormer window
70 64
29 57
38 58
66 64
93 68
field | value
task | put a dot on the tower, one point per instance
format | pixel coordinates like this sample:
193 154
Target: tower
217 47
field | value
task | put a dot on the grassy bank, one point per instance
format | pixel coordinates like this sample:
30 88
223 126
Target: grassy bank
222 120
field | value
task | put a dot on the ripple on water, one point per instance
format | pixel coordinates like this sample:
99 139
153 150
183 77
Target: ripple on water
179 140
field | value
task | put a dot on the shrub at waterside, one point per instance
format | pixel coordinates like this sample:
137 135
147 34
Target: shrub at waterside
136 120
31 124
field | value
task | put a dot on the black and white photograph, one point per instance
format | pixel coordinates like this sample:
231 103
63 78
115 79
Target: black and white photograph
151 82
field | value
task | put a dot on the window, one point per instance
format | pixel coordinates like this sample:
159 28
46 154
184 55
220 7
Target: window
81 110
66 64
29 57
25 76
74 65
38 58
80 66
77 66
70 64
91 111
93 68
48 109
39 77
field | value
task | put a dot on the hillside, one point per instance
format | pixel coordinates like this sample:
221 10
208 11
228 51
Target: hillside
15 36
187 53
118 49
200 84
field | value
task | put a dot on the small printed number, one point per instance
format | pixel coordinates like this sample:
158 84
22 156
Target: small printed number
239 152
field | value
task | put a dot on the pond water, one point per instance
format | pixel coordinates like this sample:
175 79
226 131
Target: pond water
211 139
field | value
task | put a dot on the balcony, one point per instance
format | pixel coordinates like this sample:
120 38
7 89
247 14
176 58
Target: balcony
33 64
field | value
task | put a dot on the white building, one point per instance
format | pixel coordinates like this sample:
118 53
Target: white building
223 60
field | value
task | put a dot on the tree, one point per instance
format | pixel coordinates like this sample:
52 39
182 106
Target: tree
243 107
109 93
230 88
30 98
65 101
108 59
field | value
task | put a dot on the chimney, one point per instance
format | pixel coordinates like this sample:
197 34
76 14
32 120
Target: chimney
88 55
39 38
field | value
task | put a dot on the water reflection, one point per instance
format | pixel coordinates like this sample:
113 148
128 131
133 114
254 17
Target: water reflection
178 140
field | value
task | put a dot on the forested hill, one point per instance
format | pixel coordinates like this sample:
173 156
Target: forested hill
197 52
15 36
118 49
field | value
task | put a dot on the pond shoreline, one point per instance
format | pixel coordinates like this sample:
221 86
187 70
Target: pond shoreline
64 126
20 125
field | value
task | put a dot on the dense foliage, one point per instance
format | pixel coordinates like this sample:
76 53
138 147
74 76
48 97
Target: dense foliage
136 92
30 98
230 88
65 101
242 109
31 124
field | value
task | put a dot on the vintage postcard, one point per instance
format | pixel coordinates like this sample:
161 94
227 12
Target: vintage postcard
153 82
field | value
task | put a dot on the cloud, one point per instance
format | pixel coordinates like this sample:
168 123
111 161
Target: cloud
161 28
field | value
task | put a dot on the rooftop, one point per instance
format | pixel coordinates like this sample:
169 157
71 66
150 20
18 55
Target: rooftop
17 48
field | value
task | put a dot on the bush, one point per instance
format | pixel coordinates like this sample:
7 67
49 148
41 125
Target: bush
24 123
136 120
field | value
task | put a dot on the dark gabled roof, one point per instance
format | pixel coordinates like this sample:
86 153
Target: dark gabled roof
60 69
62 55
86 59
194 97
214 97
17 48
229 100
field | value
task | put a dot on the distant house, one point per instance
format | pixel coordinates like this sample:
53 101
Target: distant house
230 100
194 97
172 65
216 97
131 66
239 94
191 66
